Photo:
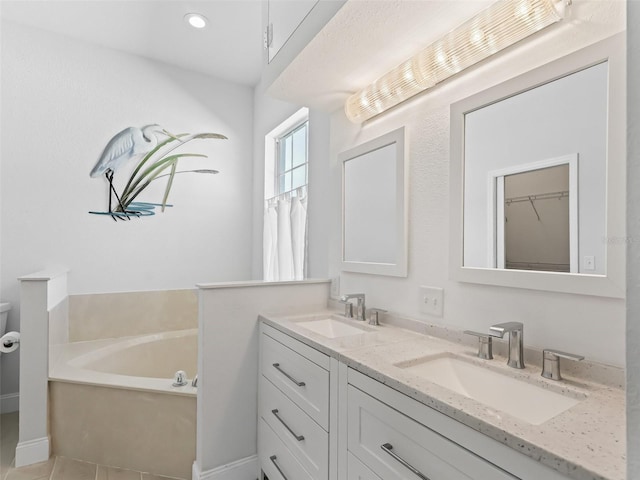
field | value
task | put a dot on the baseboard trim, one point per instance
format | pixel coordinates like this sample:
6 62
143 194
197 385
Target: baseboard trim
9 402
243 469
32 451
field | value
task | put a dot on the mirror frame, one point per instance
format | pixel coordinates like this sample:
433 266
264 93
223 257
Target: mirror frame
612 50
398 269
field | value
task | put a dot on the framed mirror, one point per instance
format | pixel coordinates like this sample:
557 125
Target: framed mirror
538 177
374 206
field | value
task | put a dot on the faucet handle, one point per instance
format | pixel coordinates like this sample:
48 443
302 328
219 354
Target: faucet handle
551 362
485 344
348 308
374 315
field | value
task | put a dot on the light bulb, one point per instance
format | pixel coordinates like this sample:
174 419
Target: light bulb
196 20
500 25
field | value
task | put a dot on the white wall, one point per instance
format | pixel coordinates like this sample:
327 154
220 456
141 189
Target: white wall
228 366
574 323
633 250
62 100
4 402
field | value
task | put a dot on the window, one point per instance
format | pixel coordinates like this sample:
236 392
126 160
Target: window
292 160
287 156
286 172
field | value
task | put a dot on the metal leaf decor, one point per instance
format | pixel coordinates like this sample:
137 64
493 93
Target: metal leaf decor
150 146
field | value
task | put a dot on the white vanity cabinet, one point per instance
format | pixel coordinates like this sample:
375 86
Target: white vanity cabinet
397 447
322 420
293 409
399 438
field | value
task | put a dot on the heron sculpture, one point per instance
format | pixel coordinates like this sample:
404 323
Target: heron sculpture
130 143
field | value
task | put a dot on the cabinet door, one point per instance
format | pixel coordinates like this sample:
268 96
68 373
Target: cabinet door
396 447
357 471
284 18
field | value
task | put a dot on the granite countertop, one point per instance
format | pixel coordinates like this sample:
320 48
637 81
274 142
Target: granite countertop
585 442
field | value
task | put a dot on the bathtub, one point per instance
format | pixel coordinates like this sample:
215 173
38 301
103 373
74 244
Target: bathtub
112 402
145 362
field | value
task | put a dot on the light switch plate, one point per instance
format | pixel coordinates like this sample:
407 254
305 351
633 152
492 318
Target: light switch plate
335 287
431 301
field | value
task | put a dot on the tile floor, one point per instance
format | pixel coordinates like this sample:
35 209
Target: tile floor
8 441
57 468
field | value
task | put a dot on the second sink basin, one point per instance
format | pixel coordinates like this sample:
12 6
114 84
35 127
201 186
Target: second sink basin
518 398
332 328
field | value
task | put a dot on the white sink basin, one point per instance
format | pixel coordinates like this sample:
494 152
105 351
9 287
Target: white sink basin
332 328
520 399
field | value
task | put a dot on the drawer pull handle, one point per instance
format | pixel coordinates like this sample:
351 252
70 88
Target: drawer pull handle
275 464
277 367
297 437
387 447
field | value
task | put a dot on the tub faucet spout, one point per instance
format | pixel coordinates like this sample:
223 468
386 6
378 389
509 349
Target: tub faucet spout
180 379
194 382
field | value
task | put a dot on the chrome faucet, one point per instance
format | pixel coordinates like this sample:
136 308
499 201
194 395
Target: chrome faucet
348 308
515 331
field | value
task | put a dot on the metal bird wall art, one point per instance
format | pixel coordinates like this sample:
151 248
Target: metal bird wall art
150 146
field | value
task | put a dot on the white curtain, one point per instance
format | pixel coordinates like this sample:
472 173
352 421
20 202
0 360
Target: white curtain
285 239
270 242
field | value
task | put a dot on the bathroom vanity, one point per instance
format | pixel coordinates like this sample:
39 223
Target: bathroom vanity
340 399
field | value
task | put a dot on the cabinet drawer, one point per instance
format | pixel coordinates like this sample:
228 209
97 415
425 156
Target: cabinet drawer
303 381
393 445
357 471
276 460
308 442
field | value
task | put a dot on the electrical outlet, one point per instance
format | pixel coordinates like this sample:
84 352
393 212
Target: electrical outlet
335 287
431 301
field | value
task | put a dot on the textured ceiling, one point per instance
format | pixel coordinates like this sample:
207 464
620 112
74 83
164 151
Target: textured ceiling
230 48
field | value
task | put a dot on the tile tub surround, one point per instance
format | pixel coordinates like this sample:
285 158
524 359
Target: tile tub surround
62 468
111 315
587 442
145 431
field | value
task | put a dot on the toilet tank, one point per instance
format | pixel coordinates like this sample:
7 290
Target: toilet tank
4 311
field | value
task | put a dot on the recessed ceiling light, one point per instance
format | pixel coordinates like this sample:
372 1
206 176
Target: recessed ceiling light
196 20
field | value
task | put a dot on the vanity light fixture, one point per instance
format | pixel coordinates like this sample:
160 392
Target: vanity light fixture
196 20
499 26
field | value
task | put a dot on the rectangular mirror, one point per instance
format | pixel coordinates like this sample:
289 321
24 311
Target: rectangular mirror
538 177
374 213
